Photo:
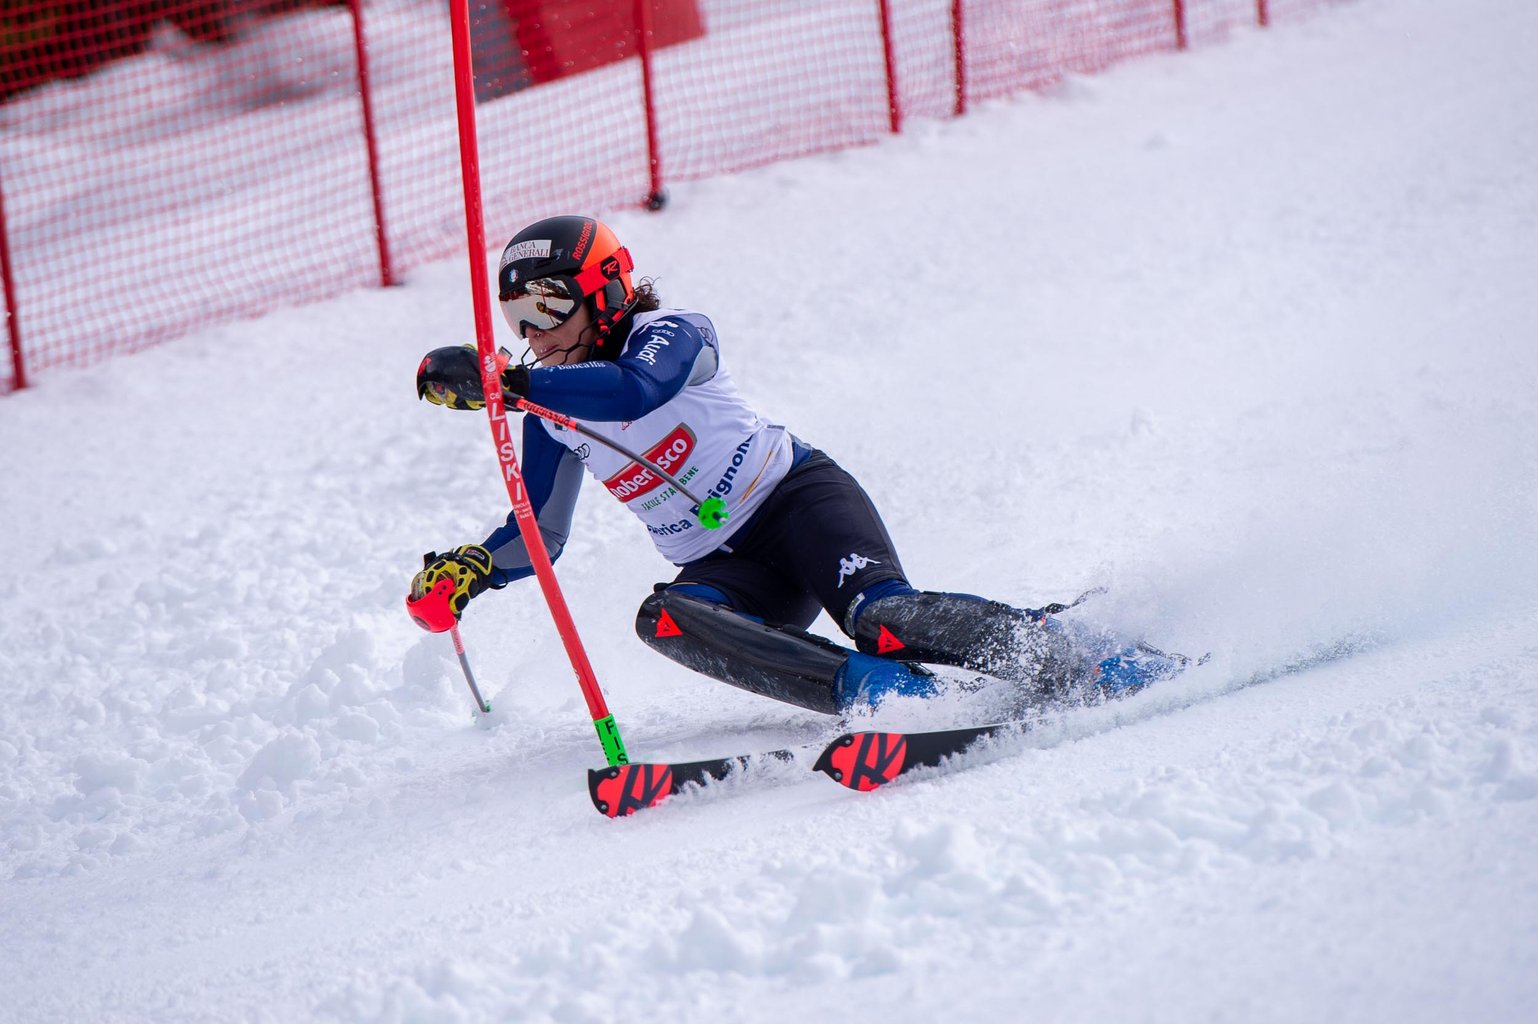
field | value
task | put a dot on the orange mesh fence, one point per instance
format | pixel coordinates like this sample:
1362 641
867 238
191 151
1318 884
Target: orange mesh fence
170 164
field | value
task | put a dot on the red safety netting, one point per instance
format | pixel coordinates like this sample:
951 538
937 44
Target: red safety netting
169 164
1010 46
178 169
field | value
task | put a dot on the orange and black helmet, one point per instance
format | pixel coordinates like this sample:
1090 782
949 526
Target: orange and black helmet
553 265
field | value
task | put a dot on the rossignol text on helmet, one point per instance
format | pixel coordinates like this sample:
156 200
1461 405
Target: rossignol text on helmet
553 265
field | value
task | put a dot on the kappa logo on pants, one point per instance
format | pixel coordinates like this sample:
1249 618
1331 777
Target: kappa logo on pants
847 567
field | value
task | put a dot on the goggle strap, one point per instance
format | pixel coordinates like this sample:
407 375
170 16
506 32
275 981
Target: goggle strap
592 279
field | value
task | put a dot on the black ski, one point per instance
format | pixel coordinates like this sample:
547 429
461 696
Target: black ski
623 789
860 760
864 761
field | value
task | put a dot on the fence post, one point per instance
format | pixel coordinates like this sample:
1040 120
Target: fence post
658 197
894 105
959 48
12 326
1180 24
386 276
1263 12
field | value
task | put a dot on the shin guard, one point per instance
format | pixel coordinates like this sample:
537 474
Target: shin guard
969 632
781 662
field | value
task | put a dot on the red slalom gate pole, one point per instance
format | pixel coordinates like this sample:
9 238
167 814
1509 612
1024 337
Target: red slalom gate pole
491 384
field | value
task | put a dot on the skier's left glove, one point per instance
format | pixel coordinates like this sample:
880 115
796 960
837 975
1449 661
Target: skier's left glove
515 384
451 377
440 592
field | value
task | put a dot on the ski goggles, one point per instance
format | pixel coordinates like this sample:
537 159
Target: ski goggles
543 304
546 303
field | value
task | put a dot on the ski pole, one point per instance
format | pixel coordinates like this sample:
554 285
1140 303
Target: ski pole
464 663
491 384
711 512
434 611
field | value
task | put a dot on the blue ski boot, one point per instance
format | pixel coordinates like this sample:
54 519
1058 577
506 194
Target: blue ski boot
868 680
1135 667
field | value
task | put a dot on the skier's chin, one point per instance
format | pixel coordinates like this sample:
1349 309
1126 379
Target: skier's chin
554 355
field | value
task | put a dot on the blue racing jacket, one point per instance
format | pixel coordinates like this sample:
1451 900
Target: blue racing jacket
668 399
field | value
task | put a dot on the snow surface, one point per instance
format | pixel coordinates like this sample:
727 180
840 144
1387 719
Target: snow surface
1245 335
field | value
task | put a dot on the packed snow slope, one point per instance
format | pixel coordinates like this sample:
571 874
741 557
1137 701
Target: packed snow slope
1246 336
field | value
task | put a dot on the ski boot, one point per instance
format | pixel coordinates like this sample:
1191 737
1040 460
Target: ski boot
869 681
1134 668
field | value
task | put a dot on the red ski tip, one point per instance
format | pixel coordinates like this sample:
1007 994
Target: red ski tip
864 761
623 789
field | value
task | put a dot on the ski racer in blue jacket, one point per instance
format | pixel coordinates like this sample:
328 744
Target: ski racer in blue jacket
799 536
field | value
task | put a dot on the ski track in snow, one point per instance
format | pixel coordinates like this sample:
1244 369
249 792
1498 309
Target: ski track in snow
1245 335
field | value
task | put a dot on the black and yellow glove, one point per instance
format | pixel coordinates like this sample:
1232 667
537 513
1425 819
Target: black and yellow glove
440 592
451 377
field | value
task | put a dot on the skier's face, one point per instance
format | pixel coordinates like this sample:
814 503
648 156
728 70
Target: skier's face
565 343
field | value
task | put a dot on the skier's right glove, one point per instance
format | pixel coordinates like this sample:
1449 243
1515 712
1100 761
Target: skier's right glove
440 592
451 377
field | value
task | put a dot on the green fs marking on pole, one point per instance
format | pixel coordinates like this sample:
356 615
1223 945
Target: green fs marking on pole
613 745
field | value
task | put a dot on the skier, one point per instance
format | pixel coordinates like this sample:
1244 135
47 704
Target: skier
799 535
